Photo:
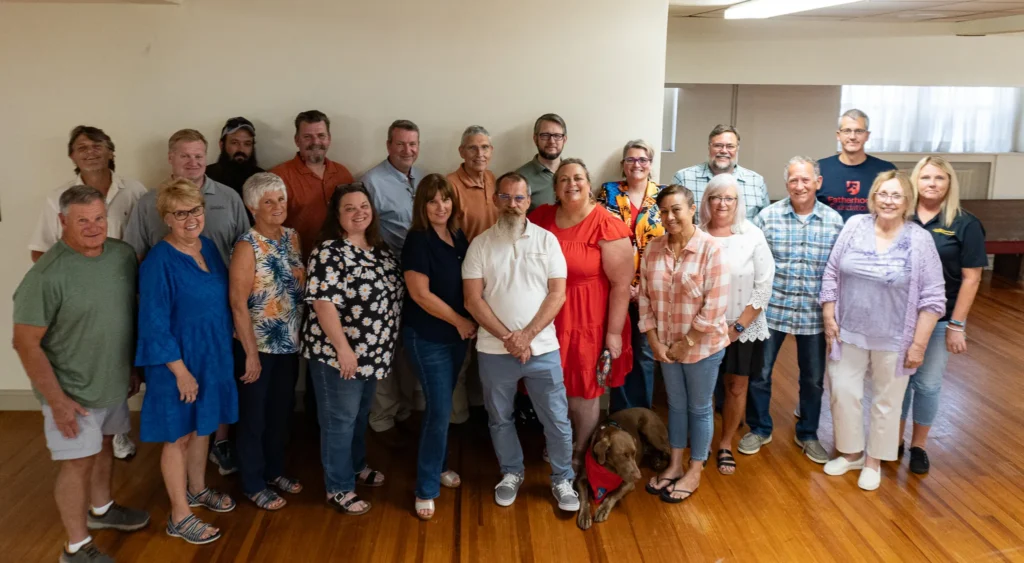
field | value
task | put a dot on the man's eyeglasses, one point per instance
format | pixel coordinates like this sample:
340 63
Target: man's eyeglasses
551 136
721 199
852 132
723 146
517 198
641 160
197 211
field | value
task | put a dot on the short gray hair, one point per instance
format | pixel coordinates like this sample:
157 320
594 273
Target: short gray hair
79 195
474 130
801 160
717 185
856 114
259 185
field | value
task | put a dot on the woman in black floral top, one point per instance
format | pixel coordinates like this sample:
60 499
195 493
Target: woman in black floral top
355 291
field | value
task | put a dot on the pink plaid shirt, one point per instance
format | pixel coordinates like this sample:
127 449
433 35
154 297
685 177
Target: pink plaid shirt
693 293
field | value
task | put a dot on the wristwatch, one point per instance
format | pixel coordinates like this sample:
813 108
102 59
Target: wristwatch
739 328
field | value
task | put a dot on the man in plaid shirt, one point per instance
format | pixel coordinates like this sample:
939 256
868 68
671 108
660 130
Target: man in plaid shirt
800 231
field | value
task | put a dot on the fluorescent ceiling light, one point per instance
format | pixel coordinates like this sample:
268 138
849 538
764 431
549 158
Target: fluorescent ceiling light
757 9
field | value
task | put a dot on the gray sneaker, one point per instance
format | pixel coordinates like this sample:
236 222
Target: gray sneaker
567 498
506 491
87 554
751 443
813 450
118 517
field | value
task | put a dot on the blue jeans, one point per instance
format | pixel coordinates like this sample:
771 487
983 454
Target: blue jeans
926 383
343 406
638 389
499 377
810 358
690 388
437 367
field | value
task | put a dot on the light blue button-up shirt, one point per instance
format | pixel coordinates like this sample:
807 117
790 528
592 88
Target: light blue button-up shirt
752 187
393 192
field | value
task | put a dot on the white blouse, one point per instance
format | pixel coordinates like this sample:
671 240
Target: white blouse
751 270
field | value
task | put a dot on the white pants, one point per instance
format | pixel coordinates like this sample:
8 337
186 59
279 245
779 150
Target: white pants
846 378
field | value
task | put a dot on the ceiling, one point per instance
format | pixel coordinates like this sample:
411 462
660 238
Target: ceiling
872 10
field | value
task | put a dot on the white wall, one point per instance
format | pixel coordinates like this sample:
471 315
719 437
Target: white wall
142 72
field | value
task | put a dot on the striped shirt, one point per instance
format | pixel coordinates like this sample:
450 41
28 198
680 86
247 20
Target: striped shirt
751 186
801 248
692 292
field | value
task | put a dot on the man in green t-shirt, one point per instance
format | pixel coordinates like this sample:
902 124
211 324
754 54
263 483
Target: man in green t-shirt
74 330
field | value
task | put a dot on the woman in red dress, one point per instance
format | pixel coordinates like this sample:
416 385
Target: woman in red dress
599 257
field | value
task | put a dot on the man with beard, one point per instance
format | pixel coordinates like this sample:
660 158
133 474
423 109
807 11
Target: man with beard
847 176
723 158
549 136
514 282
310 177
474 182
237 160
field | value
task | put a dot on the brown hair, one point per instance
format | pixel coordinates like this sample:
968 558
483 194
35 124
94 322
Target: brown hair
175 191
312 116
185 136
720 128
94 134
427 190
332 230
567 162
404 125
673 189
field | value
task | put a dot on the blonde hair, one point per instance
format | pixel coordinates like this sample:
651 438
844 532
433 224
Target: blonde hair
908 191
951 204
185 136
718 185
175 192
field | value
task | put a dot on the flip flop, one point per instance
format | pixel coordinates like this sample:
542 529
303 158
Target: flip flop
657 491
666 495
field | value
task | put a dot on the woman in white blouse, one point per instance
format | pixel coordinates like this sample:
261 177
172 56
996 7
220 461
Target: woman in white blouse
751 269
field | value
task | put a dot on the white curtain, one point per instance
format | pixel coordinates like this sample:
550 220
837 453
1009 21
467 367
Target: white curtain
939 118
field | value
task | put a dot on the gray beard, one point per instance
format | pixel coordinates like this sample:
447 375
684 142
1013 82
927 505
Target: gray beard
510 227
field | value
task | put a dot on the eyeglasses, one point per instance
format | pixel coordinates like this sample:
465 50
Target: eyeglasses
518 198
197 211
641 160
895 198
721 199
721 146
852 132
551 136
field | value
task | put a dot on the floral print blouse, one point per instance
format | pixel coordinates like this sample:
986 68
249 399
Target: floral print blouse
275 303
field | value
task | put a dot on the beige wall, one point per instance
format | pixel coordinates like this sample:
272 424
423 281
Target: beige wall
141 72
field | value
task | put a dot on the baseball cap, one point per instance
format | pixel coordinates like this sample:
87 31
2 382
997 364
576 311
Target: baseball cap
236 123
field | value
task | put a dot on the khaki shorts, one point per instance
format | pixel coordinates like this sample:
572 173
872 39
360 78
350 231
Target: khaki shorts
91 430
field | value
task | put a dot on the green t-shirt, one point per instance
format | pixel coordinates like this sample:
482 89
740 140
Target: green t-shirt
88 306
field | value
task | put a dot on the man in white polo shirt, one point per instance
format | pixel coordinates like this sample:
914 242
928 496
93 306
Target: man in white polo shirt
514 282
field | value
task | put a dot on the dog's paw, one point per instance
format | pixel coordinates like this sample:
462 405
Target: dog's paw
602 513
583 520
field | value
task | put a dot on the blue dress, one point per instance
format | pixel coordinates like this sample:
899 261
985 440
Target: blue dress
184 315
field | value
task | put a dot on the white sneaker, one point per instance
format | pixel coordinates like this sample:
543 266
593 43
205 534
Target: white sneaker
869 479
840 465
566 496
124 448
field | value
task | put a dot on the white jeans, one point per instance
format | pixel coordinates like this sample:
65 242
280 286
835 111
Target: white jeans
846 378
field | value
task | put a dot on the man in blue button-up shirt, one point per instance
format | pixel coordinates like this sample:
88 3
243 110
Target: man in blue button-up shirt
392 183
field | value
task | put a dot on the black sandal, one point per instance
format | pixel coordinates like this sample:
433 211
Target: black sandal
346 507
666 495
657 491
724 460
371 479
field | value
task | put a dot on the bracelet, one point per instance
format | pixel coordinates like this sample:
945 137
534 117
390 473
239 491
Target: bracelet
960 324
955 329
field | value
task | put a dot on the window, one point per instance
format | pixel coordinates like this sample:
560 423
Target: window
948 119
668 120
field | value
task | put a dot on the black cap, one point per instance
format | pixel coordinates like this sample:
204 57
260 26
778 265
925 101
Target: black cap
236 123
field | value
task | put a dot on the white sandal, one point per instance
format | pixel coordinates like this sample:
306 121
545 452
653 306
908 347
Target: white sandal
451 479
424 505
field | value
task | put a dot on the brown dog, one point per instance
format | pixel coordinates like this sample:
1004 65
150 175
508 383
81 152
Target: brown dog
611 466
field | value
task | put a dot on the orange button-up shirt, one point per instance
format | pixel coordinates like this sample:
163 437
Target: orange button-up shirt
309 196
478 210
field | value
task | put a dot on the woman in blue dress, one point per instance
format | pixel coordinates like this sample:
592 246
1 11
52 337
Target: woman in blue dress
185 346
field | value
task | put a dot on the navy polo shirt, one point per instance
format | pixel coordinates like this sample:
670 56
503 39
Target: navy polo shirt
960 245
426 253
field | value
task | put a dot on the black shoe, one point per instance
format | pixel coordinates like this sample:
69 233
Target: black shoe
899 452
919 461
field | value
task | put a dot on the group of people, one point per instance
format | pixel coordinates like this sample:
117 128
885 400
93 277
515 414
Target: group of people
533 282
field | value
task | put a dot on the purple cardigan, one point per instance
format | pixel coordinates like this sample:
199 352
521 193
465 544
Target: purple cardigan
927 286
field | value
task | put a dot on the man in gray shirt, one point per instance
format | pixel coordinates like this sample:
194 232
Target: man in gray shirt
549 135
225 213
392 183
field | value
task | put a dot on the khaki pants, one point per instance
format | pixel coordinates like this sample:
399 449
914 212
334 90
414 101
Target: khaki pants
846 379
397 394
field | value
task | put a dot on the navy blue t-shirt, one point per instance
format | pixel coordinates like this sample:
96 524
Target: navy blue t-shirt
845 188
426 253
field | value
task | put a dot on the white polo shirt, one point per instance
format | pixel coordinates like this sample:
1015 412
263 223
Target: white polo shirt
515 282
121 199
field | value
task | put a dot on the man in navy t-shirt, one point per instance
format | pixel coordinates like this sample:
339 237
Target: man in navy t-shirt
847 176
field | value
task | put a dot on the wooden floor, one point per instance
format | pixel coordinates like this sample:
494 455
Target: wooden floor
778 507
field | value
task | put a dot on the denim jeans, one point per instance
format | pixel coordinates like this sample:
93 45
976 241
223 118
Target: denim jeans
690 388
638 389
343 406
810 358
926 383
499 376
437 366
264 410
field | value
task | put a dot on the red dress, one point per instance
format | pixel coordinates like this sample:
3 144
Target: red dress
582 323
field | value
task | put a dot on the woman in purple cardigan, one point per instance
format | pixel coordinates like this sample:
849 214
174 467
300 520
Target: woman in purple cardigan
881 295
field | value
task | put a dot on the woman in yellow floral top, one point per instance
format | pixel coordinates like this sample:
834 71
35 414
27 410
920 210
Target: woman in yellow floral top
633 200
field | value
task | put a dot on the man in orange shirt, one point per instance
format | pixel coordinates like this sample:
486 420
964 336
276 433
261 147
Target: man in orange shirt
310 177
474 182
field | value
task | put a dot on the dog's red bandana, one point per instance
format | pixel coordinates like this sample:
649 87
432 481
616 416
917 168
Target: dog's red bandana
602 480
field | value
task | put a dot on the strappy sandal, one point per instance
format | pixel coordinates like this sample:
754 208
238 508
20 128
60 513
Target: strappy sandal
265 498
210 500
191 529
346 507
371 478
656 491
286 484
451 479
725 460
424 505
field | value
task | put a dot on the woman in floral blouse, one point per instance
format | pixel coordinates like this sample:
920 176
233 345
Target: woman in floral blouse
355 295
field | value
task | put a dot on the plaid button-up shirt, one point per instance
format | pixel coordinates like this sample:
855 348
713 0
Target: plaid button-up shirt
801 250
692 292
755 192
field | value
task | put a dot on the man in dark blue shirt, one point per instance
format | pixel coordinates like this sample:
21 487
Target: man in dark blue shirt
847 176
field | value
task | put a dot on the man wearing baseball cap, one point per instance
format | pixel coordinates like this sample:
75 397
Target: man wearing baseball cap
237 159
